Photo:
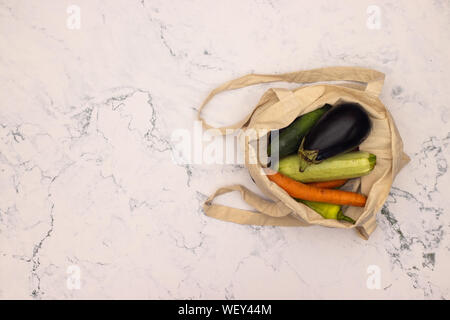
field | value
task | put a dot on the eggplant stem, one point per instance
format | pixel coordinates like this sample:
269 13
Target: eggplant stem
307 157
303 164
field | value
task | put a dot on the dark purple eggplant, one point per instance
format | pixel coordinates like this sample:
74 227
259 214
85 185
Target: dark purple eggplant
341 129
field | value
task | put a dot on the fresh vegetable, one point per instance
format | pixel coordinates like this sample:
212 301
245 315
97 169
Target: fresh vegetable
344 166
302 191
327 210
340 130
328 184
289 138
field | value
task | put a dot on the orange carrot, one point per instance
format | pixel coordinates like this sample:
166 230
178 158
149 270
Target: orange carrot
328 184
305 192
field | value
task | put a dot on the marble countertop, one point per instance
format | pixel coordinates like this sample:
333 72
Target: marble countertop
92 204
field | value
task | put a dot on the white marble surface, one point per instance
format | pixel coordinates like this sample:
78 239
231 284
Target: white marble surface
87 181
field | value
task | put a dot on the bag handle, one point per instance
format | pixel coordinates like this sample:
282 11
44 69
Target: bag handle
269 212
373 78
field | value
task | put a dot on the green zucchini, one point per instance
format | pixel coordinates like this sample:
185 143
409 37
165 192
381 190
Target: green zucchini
344 166
289 138
327 210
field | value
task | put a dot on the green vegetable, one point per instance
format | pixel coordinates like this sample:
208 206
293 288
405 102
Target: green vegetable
290 137
327 210
344 166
